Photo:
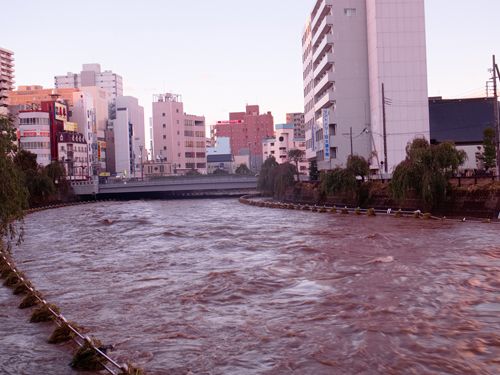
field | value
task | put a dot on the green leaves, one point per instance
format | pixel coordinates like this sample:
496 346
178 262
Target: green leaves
13 194
242 169
426 170
490 151
275 178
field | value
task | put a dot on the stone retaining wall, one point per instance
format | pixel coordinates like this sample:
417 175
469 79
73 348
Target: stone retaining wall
472 202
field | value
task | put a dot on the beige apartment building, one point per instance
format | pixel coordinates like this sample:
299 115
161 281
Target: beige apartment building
178 138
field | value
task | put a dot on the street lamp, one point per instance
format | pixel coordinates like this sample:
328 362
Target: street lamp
250 155
161 162
142 163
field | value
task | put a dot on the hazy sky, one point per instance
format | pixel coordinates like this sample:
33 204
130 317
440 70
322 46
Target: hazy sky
223 54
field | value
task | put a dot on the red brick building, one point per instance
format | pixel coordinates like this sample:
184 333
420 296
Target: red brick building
244 128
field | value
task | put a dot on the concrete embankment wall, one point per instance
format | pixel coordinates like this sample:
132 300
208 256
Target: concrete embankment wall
480 201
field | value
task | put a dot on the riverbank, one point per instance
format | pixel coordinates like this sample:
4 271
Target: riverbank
476 201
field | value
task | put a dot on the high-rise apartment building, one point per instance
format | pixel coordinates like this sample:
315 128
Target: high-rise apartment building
178 138
6 78
91 75
363 59
127 122
299 125
245 129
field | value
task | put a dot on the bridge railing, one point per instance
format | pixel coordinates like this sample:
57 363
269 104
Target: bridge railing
181 181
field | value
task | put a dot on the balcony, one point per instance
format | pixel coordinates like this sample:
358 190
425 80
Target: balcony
4 86
6 56
326 46
326 65
326 101
322 11
324 28
325 83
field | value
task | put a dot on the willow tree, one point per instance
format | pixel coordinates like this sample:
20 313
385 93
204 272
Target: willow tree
358 166
339 181
242 169
274 178
283 178
265 183
490 151
40 185
13 193
426 170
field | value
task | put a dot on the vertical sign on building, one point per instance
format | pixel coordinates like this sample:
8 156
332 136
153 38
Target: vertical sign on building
325 129
312 137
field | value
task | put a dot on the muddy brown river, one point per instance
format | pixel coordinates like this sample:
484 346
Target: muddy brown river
218 287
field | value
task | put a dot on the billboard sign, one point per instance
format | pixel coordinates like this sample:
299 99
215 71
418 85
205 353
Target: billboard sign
312 137
60 111
230 122
71 126
326 135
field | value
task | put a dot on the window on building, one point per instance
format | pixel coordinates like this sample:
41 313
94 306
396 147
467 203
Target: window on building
163 114
333 152
164 125
190 165
178 132
164 147
188 133
164 137
349 12
177 110
201 165
333 129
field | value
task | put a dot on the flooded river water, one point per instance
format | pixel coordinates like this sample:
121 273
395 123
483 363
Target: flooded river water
218 287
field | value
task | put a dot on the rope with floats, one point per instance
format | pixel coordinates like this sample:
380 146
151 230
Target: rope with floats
417 214
8 268
91 350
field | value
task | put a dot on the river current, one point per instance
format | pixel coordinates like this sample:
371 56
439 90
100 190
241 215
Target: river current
219 287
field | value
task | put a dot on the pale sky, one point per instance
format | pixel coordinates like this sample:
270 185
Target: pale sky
223 54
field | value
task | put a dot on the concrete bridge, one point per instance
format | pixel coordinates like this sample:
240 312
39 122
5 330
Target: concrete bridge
168 187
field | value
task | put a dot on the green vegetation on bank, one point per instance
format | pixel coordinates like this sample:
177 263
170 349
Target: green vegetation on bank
275 178
424 172
23 182
14 194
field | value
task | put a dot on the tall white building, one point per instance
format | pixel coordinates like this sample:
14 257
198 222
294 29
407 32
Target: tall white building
351 48
6 78
84 115
91 75
127 123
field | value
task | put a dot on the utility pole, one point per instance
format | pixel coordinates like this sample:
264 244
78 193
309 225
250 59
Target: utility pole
385 133
495 108
351 140
142 164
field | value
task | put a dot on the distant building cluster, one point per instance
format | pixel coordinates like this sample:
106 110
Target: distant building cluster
364 88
